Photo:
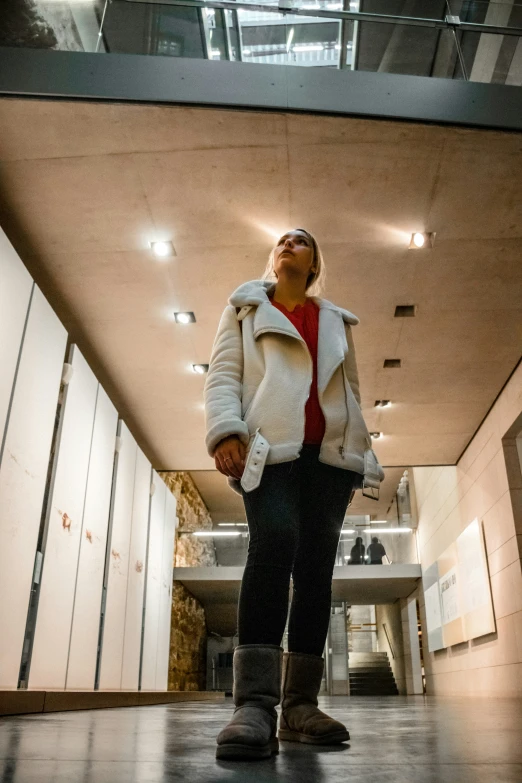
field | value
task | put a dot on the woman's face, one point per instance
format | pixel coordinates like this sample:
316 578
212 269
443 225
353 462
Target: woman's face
293 254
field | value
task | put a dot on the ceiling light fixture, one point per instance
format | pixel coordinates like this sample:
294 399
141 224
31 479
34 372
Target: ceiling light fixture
185 318
201 369
387 530
350 532
162 249
405 311
232 524
308 48
208 533
422 239
382 403
375 435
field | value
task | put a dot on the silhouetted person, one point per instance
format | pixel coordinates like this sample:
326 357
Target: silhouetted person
357 552
376 552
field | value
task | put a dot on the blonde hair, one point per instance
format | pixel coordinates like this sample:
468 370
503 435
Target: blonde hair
316 281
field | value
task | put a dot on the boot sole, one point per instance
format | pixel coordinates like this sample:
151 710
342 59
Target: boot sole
244 752
335 738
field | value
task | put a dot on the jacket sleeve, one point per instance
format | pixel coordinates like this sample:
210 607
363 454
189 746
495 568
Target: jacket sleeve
351 366
223 384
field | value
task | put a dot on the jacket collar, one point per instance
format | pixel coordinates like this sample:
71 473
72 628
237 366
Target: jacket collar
332 344
256 292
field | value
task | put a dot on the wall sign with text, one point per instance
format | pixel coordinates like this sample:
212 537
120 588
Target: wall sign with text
457 592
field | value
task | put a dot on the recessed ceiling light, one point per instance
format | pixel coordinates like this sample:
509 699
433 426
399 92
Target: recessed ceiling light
382 403
213 533
162 249
201 369
185 318
405 311
392 363
422 239
375 435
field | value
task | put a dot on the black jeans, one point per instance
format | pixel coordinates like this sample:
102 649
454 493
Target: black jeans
295 518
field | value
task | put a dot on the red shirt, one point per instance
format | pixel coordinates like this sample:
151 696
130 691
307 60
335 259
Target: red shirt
305 318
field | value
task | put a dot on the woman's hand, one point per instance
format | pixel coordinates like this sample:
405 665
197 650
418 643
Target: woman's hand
229 457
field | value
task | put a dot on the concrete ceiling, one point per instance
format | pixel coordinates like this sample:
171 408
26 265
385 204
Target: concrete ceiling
84 187
227 506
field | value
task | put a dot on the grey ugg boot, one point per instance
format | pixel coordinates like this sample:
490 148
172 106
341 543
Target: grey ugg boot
301 720
251 734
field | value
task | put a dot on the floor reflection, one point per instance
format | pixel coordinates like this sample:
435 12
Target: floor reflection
393 740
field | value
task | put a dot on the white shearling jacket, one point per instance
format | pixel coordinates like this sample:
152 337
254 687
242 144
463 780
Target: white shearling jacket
259 380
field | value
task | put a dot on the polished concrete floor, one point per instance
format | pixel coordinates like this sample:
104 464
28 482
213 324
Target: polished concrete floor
394 740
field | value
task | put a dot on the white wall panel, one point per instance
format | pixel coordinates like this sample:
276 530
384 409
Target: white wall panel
165 603
114 624
23 474
65 522
136 576
89 584
15 291
154 568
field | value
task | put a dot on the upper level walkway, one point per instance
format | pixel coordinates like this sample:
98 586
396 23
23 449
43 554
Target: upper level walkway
217 587
422 60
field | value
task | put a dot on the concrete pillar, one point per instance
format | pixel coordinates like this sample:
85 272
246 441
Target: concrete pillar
410 635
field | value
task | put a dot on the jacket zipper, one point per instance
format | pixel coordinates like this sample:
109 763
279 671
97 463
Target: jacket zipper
342 448
310 363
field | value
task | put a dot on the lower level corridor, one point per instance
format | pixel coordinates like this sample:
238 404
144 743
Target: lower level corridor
393 740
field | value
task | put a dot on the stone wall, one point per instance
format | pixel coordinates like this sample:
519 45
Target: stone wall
193 515
188 640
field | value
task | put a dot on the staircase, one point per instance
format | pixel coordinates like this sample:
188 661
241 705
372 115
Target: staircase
371 675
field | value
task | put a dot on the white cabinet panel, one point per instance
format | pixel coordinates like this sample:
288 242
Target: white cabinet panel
89 584
65 522
23 474
114 622
165 603
136 577
15 291
152 600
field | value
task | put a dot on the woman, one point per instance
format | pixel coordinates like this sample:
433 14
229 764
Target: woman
284 424
357 552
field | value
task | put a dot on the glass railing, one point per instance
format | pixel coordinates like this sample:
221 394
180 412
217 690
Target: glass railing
369 545
386 544
476 41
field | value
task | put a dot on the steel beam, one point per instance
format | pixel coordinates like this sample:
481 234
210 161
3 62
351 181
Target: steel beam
186 81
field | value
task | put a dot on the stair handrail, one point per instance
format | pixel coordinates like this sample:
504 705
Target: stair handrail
390 645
